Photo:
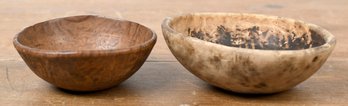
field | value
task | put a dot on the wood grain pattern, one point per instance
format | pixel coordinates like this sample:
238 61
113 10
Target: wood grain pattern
84 33
85 53
249 31
162 80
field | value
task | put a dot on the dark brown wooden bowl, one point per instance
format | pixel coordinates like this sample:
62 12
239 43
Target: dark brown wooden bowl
85 53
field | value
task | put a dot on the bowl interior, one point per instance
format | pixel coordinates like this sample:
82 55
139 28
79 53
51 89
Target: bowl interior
84 33
248 31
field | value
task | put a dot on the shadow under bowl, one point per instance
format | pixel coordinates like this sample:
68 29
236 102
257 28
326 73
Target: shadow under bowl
85 53
247 53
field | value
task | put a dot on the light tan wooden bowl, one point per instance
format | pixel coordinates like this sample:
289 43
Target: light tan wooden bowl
248 53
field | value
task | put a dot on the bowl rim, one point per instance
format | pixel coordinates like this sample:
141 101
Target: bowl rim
59 53
330 40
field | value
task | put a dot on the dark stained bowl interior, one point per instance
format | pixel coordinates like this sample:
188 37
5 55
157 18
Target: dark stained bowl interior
84 33
249 31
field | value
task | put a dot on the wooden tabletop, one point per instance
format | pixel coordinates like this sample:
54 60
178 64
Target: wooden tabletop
162 80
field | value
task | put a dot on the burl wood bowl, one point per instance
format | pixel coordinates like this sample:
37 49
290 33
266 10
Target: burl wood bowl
85 53
247 53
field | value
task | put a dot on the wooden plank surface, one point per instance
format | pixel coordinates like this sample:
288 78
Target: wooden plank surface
162 80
